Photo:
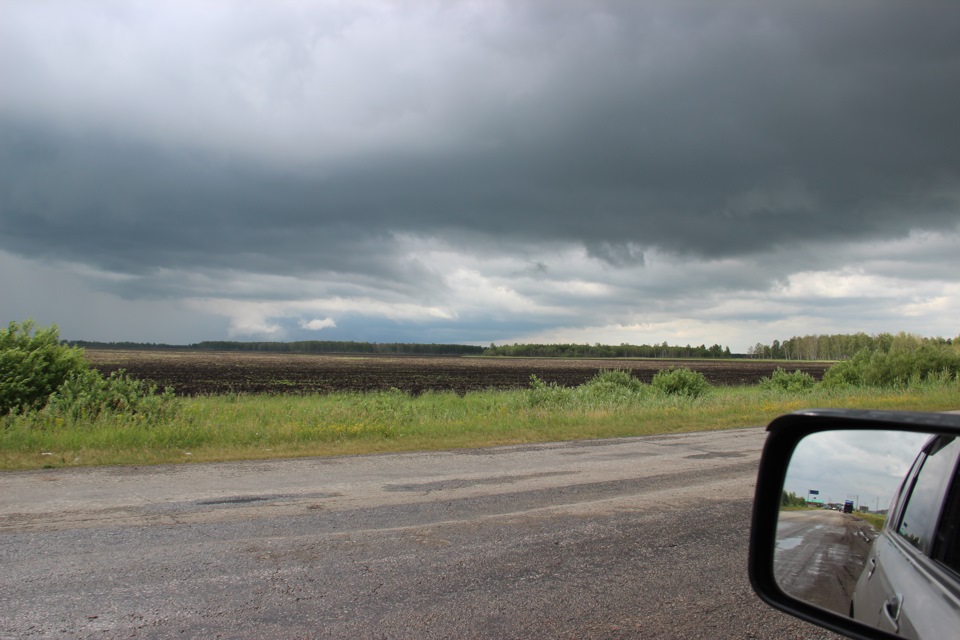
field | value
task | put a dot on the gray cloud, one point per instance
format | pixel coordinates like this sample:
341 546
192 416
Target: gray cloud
740 142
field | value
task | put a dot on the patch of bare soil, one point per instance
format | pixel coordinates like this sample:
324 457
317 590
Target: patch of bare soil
200 372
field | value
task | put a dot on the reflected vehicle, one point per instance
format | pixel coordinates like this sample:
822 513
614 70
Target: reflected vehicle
875 572
911 584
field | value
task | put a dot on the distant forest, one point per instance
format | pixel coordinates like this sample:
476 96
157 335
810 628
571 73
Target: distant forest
606 351
811 347
842 346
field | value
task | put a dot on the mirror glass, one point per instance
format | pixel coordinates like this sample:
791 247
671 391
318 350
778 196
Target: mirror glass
833 550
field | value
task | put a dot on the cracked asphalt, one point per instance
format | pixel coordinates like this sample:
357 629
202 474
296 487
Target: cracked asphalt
627 538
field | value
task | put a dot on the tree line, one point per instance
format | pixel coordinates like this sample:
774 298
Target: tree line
598 350
842 346
809 347
790 499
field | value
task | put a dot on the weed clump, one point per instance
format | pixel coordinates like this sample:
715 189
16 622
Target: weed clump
89 395
608 388
612 388
548 395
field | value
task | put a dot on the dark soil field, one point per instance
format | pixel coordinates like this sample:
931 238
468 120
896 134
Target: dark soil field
200 372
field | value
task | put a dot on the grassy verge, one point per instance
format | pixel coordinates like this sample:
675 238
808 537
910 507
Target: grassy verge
259 426
874 519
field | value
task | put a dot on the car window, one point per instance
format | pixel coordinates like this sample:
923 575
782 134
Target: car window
946 547
898 503
922 510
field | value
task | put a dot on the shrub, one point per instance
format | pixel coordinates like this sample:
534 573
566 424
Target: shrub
88 395
846 373
931 361
618 379
33 364
794 382
926 363
41 377
607 389
790 499
610 387
680 382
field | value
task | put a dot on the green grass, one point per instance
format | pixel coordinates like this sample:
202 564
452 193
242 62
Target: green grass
874 519
260 426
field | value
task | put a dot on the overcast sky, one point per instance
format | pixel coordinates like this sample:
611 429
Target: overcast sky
864 466
475 172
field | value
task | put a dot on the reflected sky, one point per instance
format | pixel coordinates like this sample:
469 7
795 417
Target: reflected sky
865 466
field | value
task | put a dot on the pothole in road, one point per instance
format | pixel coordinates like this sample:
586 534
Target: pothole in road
443 485
247 499
237 500
716 454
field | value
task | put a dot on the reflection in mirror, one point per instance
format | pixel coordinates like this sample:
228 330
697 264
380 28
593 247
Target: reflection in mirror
836 497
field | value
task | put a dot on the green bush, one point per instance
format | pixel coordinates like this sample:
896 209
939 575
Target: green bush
47 381
899 368
610 387
680 382
548 394
33 364
613 379
932 361
780 380
790 499
846 373
88 395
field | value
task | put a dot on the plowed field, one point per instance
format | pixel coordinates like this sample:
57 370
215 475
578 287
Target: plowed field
197 373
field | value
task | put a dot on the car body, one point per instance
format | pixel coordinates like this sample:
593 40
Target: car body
911 582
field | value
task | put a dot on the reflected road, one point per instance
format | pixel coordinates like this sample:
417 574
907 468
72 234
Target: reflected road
820 555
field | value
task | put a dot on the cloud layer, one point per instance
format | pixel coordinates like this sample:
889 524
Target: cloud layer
474 172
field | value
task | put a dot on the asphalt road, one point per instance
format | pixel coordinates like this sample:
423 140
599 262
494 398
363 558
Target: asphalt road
628 538
820 554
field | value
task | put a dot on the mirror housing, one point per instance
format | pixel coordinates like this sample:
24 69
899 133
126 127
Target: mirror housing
784 433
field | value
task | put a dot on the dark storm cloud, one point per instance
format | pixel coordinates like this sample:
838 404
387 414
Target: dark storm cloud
501 167
700 128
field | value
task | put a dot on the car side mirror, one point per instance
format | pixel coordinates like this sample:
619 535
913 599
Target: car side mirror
856 522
